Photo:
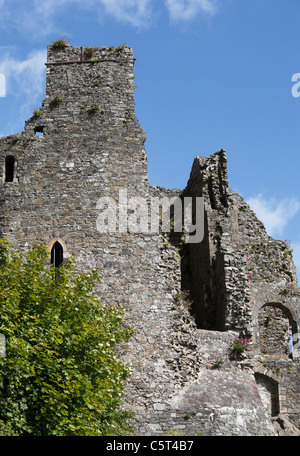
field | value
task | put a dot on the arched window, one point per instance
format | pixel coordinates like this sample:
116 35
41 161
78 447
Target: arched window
57 254
9 168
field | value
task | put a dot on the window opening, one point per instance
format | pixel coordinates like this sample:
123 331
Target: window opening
57 254
291 343
9 168
39 131
269 393
274 330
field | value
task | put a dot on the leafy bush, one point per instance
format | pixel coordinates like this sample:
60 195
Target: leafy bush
60 375
6 430
89 51
94 108
37 113
57 100
59 44
239 345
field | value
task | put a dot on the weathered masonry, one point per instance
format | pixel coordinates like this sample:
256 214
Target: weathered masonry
85 143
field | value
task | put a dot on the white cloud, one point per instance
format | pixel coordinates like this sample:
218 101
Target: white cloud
42 18
32 17
23 76
134 12
24 79
275 214
185 10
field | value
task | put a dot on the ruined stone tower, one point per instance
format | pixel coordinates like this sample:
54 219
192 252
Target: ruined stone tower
85 144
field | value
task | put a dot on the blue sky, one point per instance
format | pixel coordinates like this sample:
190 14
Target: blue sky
211 74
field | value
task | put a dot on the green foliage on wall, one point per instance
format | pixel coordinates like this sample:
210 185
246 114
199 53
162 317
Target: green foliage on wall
60 375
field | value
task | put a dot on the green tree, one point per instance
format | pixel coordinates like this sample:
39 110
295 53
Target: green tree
60 375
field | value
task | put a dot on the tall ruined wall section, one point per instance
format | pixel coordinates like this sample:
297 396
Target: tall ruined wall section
92 147
248 283
85 143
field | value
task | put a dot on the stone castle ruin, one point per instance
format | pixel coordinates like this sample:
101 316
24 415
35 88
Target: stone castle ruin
216 348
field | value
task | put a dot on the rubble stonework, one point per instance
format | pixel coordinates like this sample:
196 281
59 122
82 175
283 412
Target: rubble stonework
85 143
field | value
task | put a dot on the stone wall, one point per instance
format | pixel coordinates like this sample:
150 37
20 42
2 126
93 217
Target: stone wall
187 302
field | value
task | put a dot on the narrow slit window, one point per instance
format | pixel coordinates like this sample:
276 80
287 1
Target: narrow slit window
57 254
9 168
